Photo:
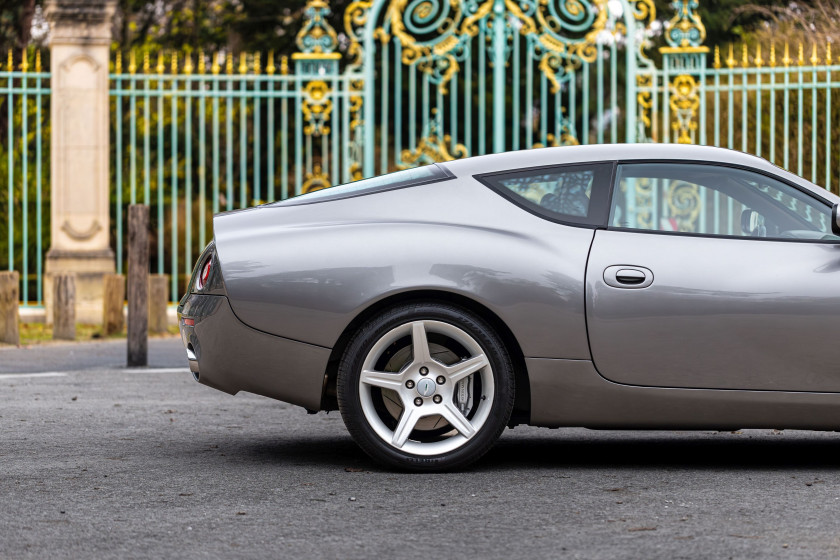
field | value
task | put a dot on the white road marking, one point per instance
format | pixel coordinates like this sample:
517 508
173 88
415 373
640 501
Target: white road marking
157 370
44 374
65 373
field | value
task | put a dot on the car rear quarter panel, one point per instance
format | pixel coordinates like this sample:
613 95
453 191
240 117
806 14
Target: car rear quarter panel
305 272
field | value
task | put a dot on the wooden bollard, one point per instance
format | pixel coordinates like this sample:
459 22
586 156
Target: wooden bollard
113 301
158 300
64 306
9 331
138 285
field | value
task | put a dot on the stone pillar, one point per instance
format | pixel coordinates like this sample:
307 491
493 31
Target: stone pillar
80 32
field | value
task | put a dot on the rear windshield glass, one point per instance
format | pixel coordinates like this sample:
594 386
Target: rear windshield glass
573 194
397 180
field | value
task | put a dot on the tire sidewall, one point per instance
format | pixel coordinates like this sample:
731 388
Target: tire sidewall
348 386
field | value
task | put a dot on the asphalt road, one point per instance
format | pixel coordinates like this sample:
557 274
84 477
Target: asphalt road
103 462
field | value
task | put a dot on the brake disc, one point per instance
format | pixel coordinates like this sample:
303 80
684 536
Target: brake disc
442 354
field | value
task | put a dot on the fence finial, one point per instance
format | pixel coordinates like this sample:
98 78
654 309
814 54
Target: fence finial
317 35
745 55
801 59
38 58
758 60
270 66
24 61
257 62
188 67
147 63
215 68
173 62
284 65
717 56
243 63
160 67
229 63
132 62
201 66
117 62
814 58
828 53
730 61
786 60
685 29
11 61
772 54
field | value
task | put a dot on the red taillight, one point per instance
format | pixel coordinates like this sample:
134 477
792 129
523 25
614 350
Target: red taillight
201 281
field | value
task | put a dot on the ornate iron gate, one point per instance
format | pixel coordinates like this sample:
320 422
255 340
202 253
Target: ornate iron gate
451 78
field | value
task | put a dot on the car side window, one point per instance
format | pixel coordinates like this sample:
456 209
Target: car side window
568 193
715 200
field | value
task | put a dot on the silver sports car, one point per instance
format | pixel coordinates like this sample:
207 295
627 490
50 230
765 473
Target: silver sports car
613 286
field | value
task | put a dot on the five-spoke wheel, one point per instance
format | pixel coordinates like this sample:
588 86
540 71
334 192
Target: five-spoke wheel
426 387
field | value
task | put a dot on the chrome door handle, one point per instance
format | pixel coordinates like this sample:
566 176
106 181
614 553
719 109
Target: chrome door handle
628 276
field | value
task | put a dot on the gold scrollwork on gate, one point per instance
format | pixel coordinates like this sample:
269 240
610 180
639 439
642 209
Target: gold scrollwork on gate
315 180
686 28
317 35
644 87
316 108
685 102
431 149
355 19
566 138
434 34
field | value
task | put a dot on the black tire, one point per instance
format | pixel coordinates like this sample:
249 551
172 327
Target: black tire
348 387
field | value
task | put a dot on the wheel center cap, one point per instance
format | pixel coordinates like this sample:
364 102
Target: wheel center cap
426 387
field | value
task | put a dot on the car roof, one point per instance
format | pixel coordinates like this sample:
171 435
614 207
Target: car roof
600 152
560 155
651 152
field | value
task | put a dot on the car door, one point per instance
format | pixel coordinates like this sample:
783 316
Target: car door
714 277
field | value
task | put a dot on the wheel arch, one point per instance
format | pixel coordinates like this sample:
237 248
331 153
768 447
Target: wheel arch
522 404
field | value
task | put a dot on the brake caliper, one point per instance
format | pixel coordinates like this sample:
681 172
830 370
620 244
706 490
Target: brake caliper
463 395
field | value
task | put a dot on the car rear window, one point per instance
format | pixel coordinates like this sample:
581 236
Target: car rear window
574 194
397 180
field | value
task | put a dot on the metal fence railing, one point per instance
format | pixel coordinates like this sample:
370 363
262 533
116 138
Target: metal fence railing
777 108
195 134
193 139
24 164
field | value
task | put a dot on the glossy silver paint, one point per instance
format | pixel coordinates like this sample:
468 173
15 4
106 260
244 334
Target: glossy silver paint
572 393
718 333
232 357
721 313
305 272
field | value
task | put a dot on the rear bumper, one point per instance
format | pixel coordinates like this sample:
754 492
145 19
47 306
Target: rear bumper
229 356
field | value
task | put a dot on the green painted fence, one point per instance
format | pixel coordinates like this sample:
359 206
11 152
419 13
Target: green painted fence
190 145
415 81
24 164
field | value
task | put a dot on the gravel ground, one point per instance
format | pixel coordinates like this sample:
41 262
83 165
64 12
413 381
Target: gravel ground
104 462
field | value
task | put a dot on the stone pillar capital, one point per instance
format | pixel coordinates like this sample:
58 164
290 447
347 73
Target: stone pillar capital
80 22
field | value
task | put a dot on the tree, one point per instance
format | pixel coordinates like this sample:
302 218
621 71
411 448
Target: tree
16 23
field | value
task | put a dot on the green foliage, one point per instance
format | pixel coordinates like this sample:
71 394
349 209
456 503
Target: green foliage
211 25
174 24
725 21
15 22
